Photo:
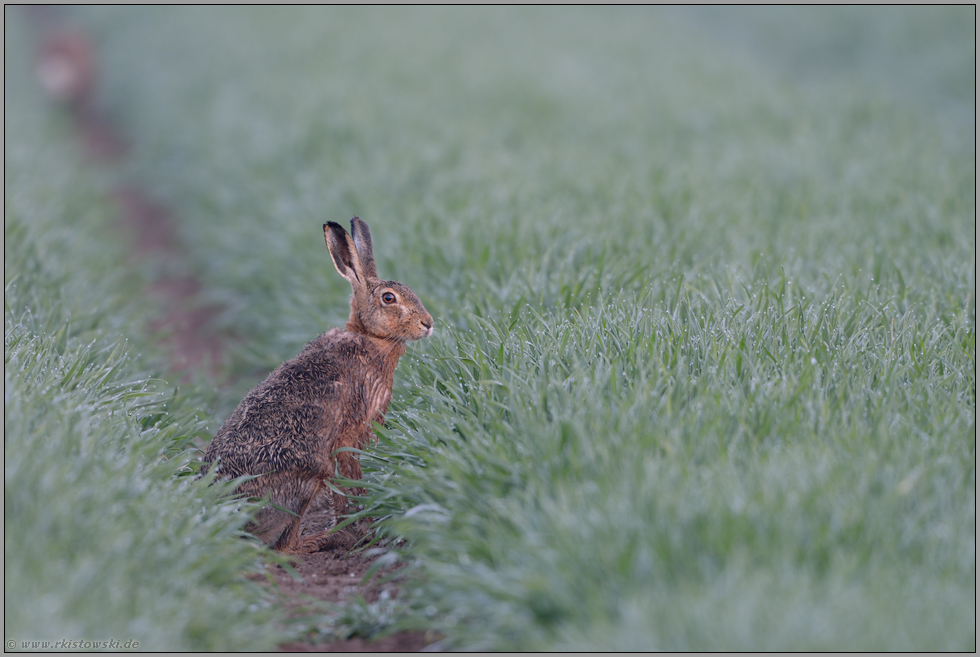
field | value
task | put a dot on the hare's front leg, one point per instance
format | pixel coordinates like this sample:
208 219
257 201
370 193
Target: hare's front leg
350 468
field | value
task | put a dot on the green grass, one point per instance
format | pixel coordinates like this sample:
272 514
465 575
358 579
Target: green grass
105 538
704 369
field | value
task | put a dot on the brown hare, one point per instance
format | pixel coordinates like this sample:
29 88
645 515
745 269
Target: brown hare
287 429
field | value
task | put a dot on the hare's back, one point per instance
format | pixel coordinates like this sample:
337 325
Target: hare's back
289 421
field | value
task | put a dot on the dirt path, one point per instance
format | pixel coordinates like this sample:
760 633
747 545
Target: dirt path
66 66
334 576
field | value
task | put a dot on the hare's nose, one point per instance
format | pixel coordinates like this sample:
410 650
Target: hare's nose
427 323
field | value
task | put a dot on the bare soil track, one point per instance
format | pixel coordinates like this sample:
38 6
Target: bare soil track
66 66
333 576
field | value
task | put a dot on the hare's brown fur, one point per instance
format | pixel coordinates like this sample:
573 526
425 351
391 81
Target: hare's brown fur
288 428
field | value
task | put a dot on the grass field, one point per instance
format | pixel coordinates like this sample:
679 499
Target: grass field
104 539
704 284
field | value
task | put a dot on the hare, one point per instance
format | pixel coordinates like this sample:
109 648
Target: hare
286 431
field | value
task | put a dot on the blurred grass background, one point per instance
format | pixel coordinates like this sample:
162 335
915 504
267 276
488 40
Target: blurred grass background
704 369
105 538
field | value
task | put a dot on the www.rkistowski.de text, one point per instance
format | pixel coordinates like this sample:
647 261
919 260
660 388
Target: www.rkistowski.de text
77 644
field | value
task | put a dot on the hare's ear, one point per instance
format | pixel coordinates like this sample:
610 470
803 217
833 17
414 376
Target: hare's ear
362 242
343 252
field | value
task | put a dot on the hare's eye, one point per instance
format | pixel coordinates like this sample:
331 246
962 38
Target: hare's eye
388 297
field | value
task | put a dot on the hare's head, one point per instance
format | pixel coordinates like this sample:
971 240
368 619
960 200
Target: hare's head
383 309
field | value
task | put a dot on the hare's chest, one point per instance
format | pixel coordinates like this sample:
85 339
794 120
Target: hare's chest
378 397
364 400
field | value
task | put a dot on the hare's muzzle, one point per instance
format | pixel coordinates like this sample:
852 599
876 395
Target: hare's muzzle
426 323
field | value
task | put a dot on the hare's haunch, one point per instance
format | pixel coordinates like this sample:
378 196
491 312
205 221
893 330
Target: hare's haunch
287 429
